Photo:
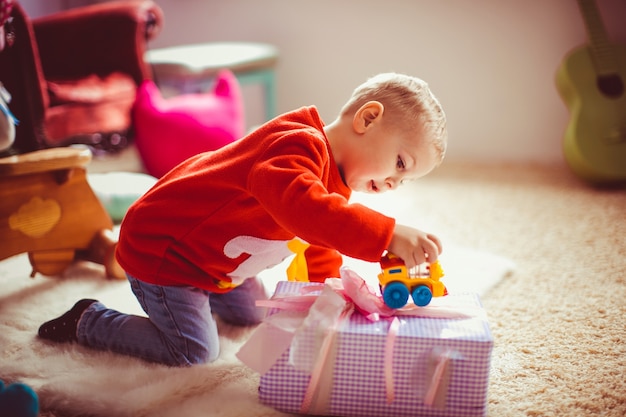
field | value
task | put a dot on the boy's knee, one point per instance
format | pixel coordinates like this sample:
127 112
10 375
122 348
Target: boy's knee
238 306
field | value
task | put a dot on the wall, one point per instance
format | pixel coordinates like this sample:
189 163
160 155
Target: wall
491 62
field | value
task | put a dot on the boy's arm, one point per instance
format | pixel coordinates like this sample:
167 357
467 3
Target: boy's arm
287 182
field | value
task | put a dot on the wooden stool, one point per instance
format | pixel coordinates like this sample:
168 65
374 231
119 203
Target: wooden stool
190 68
48 210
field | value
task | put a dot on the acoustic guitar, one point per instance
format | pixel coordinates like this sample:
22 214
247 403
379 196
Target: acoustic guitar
592 81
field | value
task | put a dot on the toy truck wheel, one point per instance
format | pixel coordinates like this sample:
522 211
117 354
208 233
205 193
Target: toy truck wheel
395 294
422 295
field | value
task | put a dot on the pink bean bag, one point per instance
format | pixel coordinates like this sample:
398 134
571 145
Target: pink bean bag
168 131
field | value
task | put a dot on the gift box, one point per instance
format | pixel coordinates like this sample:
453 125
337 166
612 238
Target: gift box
431 361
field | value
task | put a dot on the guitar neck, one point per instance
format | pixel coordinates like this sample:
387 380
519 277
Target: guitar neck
602 51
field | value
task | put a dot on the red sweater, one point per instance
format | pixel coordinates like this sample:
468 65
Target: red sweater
224 216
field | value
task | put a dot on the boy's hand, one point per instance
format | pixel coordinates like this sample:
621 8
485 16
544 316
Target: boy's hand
414 246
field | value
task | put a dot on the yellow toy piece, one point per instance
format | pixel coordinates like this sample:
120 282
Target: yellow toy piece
297 269
397 283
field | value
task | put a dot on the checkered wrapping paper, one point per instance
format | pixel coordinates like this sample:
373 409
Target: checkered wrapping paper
358 388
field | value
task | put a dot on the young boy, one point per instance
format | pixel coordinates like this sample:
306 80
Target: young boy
193 244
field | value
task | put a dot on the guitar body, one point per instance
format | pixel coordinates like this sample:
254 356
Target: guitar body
595 139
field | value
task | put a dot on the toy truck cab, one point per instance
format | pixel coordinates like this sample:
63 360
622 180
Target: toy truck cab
397 283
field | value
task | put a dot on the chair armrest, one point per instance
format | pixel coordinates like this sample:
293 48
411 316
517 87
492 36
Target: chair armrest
53 159
98 39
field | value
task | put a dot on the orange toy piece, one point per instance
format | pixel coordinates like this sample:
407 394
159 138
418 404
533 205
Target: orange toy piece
48 210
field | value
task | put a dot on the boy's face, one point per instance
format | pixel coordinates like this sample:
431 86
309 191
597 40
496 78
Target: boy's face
381 159
385 160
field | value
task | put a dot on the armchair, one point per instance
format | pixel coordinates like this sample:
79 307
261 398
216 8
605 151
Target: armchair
73 75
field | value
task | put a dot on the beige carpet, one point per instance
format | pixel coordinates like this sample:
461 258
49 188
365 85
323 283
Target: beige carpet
559 320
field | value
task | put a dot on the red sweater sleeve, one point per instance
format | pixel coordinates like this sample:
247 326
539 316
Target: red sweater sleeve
298 183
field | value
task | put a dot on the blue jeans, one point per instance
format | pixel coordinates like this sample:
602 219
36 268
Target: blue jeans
180 329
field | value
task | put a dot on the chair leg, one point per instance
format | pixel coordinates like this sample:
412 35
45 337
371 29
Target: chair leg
51 262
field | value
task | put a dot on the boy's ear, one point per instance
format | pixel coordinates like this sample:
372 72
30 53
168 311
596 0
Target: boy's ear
366 115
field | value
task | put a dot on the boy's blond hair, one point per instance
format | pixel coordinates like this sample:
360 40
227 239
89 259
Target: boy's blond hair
409 104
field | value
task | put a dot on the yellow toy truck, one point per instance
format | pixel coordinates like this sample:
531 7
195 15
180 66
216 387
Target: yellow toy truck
397 282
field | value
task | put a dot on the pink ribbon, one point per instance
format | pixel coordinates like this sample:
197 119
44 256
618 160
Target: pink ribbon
389 344
322 359
443 361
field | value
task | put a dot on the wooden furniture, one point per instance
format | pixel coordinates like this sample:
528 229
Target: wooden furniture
48 210
190 68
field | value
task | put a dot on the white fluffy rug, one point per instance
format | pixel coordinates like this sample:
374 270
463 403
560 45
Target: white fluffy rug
75 381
